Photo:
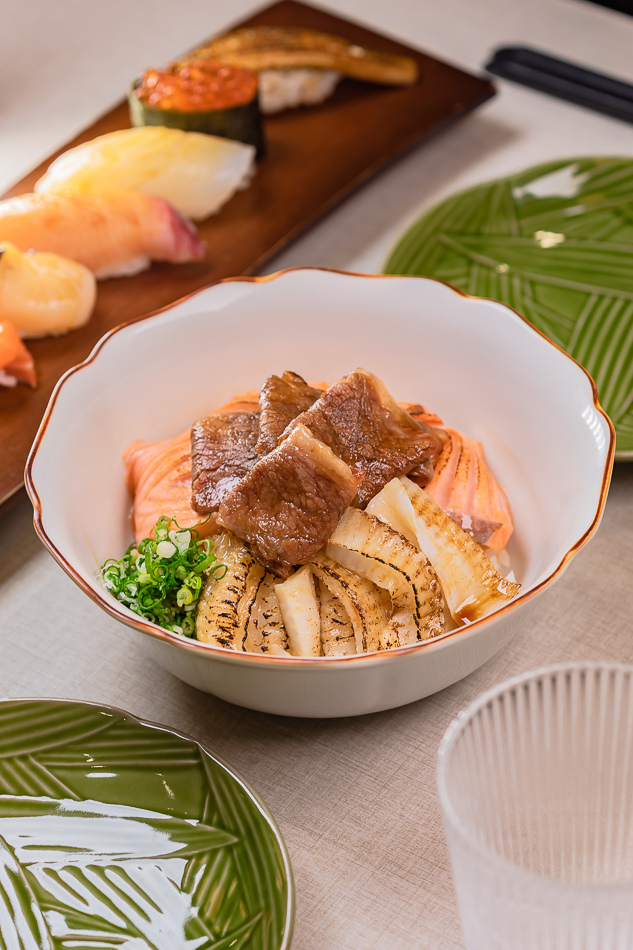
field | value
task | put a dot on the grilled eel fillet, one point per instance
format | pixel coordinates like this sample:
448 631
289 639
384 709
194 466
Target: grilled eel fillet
290 47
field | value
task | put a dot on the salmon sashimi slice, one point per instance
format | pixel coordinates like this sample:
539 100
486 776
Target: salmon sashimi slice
158 476
16 363
465 488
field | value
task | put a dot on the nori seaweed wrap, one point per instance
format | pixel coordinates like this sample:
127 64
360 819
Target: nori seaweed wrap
201 96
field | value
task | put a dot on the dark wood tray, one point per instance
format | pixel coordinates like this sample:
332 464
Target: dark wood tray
315 157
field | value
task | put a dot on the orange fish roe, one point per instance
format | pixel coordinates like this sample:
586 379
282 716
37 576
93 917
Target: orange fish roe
197 86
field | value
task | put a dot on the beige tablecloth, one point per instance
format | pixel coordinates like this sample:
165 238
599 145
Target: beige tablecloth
355 799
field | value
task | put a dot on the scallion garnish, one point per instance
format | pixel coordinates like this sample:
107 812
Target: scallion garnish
161 578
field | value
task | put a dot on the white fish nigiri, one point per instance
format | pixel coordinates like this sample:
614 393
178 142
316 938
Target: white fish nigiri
196 173
44 294
112 234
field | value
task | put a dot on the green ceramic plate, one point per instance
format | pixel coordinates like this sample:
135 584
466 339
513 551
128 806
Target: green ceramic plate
555 242
117 834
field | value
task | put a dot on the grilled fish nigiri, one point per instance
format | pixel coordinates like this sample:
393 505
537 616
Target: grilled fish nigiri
112 234
16 363
295 47
44 294
298 66
196 173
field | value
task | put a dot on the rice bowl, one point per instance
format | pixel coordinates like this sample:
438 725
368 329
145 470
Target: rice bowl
517 396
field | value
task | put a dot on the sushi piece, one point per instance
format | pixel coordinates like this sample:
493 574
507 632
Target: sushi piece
201 96
44 294
16 363
302 67
113 235
196 173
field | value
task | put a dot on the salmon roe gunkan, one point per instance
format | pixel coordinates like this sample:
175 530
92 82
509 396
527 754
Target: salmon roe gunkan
197 86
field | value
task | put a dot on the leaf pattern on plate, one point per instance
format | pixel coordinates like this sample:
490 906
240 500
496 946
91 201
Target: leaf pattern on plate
173 854
555 242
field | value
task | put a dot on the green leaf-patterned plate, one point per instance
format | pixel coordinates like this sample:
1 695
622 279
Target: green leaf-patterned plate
555 242
117 834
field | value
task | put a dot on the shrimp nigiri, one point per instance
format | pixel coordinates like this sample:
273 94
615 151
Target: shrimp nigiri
112 234
44 294
16 363
196 173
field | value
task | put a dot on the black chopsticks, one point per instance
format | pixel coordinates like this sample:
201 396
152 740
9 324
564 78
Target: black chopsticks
563 79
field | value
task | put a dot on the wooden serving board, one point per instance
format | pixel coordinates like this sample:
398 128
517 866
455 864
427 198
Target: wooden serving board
315 157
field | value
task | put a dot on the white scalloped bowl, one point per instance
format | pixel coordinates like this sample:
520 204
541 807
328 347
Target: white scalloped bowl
475 362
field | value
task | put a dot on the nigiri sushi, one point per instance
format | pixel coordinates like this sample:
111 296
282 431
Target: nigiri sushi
195 172
16 363
113 235
201 96
299 66
44 294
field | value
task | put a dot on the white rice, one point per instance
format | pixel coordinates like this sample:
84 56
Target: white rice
288 88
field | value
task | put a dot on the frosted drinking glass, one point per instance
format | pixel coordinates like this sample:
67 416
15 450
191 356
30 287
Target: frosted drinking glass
536 783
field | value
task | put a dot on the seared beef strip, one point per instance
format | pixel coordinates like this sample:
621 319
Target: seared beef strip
280 401
222 452
289 503
362 424
423 473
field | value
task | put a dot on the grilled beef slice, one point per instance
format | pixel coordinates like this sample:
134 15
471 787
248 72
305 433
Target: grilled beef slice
222 452
281 400
289 503
423 473
362 424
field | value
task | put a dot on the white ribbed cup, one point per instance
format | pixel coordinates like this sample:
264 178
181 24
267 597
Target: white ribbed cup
536 782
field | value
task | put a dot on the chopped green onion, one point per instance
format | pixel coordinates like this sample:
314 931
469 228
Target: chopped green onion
184 597
165 549
160 578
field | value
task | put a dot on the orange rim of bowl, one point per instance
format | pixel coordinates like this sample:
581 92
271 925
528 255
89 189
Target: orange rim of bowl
196 646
